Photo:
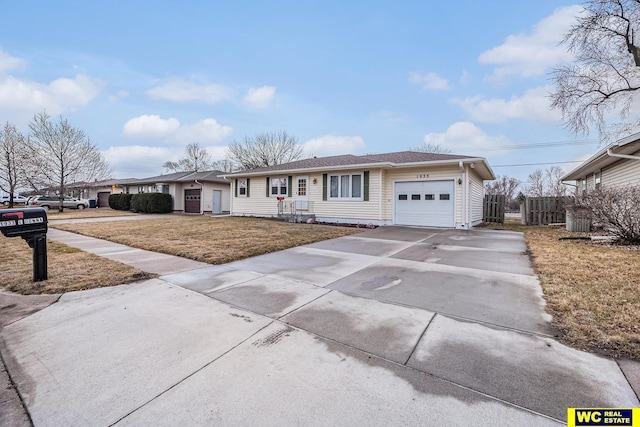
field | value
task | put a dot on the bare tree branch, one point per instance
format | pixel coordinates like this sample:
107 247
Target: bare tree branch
504 185
196 159
428 147
12 157
546 183
605 76
265 149
60 154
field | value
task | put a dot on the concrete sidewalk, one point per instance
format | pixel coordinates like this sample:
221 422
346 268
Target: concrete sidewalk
394 326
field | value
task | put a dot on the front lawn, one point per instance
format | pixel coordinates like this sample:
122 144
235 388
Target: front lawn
592 289
215 240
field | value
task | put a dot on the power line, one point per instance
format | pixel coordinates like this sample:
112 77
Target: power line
543 144
535 164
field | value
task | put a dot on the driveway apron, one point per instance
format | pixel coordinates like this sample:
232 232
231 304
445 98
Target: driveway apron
393 326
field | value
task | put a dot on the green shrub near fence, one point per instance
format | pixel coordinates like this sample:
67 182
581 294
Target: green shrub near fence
120 202
152 203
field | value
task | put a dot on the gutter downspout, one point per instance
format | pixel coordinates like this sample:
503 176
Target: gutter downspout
201 195
465 214
622 156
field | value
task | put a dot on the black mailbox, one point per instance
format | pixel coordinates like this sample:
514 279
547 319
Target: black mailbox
31 225
23 222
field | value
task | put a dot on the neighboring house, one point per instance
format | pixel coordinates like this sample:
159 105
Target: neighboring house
618 164
407 188
193 192
98 190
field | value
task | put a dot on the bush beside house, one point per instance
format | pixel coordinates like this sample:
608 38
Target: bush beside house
152 203
120 202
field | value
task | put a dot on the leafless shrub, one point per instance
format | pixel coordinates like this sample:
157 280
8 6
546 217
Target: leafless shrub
617 209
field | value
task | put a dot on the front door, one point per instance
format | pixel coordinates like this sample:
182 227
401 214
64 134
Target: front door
217 202
302 193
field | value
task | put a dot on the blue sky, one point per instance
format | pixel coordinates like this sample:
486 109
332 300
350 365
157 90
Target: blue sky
144 79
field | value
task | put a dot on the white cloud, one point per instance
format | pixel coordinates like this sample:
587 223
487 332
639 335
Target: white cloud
260 97
121 94
151 127
465 138
429 81
60 95
8 62
533 105
184 91
531 54
332 145
138 161
207 130
171 130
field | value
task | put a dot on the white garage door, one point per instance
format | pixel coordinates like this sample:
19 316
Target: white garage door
425 203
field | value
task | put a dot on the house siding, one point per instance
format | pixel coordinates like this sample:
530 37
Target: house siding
622 173
379 208
358 210
477 197
259 204
421 174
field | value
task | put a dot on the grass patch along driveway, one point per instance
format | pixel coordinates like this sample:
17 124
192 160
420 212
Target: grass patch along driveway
69 269
214 240
592 289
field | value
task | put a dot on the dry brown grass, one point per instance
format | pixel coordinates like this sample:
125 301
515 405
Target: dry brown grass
81 213
86 213
69 269
215 240
592 289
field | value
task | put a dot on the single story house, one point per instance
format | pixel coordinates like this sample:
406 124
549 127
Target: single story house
203 192
98 190
193 192
404 188
615 165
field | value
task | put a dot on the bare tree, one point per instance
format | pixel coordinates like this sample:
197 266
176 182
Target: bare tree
546 183
196 159
60 154
429 147
224 165
504 185
12 149
265 149
605 76
536 187
555 186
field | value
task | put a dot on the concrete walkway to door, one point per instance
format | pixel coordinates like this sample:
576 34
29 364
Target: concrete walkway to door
394 326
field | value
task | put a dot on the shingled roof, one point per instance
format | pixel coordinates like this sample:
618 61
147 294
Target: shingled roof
209 176
390 159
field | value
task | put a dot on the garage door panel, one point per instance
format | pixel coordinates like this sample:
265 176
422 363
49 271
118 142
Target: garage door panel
425 203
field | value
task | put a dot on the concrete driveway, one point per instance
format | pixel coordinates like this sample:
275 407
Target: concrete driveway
394 326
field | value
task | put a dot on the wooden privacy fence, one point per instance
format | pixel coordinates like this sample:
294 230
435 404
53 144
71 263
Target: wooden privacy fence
493 210
543 210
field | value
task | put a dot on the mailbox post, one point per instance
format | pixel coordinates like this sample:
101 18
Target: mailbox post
31 225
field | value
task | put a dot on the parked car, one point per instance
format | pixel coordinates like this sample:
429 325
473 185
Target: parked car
48 202
17 200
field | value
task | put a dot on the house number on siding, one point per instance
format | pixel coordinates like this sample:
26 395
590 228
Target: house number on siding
424 175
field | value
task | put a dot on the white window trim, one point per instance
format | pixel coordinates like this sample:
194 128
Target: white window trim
286 186
242 184
349 198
